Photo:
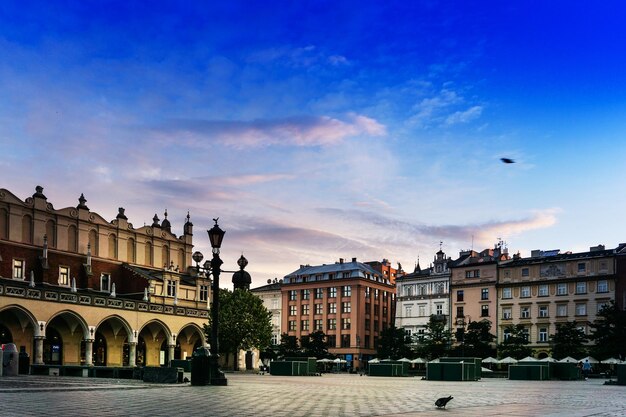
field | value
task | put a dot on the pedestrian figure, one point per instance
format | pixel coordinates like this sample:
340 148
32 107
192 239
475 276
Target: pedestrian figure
586 369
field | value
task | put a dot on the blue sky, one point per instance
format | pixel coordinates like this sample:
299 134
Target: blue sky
320 130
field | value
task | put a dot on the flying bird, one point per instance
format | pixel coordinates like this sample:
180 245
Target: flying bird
507 160
441 402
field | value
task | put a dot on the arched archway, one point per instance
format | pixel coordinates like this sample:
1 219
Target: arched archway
156 337
189 337
19 326
111 342
65 332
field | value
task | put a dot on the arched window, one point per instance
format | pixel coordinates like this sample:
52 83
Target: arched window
51 233
408 290
165 256
112 246
93 241
4 224
72 240
148 260
130 250
27 229
181 259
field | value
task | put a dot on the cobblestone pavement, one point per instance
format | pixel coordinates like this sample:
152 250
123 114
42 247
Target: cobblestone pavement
329 395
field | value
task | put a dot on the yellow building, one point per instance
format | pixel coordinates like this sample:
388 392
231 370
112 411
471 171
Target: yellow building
76 289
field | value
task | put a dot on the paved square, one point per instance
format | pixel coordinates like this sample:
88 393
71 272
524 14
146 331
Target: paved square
329 395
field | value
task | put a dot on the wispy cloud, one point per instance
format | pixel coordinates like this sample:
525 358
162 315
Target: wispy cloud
295 131
464 116
442 108
305 56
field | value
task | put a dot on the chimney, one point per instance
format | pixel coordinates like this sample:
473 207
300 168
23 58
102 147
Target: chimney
596 248
535 253
340 260
353 259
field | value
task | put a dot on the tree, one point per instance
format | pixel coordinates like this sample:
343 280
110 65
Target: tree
315 345
477 341
288 346
394 343
609 333
568 340
437 338
244 323
515 342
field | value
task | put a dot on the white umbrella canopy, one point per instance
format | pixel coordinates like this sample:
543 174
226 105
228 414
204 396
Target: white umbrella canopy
483 369
434 361
404 360
508 359
528 359
591 359
547 359
419 360
386 360
490 360
568 359
339 361
611 361
325 360
374 361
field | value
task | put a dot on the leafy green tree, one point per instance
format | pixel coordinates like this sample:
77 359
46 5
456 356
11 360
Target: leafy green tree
437 338
515 344
477 341
568 340
609 333
288 346
315 345
244 323
394 343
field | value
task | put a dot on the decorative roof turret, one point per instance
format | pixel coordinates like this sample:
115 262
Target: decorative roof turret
188 227
155 221
165 225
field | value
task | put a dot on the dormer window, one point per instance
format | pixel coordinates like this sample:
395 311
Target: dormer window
171 288
105 282
64 276
18 268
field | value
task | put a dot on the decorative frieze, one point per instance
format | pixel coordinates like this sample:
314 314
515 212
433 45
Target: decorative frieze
15 291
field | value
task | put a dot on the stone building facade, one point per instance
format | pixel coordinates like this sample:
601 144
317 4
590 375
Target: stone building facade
76 289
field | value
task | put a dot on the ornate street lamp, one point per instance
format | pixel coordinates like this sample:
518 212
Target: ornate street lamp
215 236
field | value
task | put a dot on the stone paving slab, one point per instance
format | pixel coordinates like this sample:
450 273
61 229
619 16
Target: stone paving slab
329 395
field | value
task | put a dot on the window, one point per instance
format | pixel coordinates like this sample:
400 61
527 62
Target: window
506 293
319 292
543 334
525 272
439 309
525 293
345 340
18 268
484 294
506 313
581 287
507 334
582 267
332 292
274 339
526 334
484 311
421 310
204 293
524 312
475 273
543 290
581 309
304 325
319 308
345 324
346 307
306 294
293 310
332 341
293 295
561 310
459 312
603 266
292 325
376 327
375 293
305 309
171 288
603 286
543 311
332 308
367 292
459 295
408 311
368 324
346 291
105 282
332 324
64 275
561 289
